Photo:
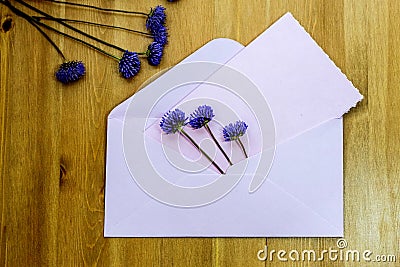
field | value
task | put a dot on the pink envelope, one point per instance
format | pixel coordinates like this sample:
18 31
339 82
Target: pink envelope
299 191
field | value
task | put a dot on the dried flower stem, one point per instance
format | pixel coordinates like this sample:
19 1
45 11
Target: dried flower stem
239 142
70 27
217 143
201 150
32 22
47 38
78 40
37 23
98 8
92 23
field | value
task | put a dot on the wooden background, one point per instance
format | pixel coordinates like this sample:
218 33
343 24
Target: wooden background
53 137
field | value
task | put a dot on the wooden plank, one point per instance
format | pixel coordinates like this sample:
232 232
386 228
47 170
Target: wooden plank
53 138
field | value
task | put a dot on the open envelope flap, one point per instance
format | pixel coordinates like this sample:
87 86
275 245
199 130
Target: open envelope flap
301 85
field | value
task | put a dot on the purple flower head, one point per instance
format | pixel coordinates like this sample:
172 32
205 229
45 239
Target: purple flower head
173 121
161 35
70 71
154 53
234 131
201 116
129 65
172 0
156 18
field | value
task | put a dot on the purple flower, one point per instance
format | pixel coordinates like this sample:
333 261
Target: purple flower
201 116
161 35
234 131
154 53
156 18
129 64
173 121
70 71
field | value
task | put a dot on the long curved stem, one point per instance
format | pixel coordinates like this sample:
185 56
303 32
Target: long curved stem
69 26
92 23
38 23
201 150
98 8
47 38
79 40
32 22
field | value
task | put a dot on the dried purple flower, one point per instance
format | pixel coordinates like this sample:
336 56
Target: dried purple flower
161 35
233 132
173 121
129 64
201 116
154 53
156 18
70 71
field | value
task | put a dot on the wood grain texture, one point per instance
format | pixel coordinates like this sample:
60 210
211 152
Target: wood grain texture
53 137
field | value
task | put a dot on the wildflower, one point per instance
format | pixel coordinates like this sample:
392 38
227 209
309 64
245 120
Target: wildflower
161 36
233 132
173 122
156 18
154 53
129 64
70 71
201 116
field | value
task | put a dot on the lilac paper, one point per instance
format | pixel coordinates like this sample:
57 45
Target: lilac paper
302 86
303 193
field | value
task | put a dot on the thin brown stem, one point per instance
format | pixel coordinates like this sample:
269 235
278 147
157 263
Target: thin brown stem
218 144
242 147
201 150
98 8
69 26
92 23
